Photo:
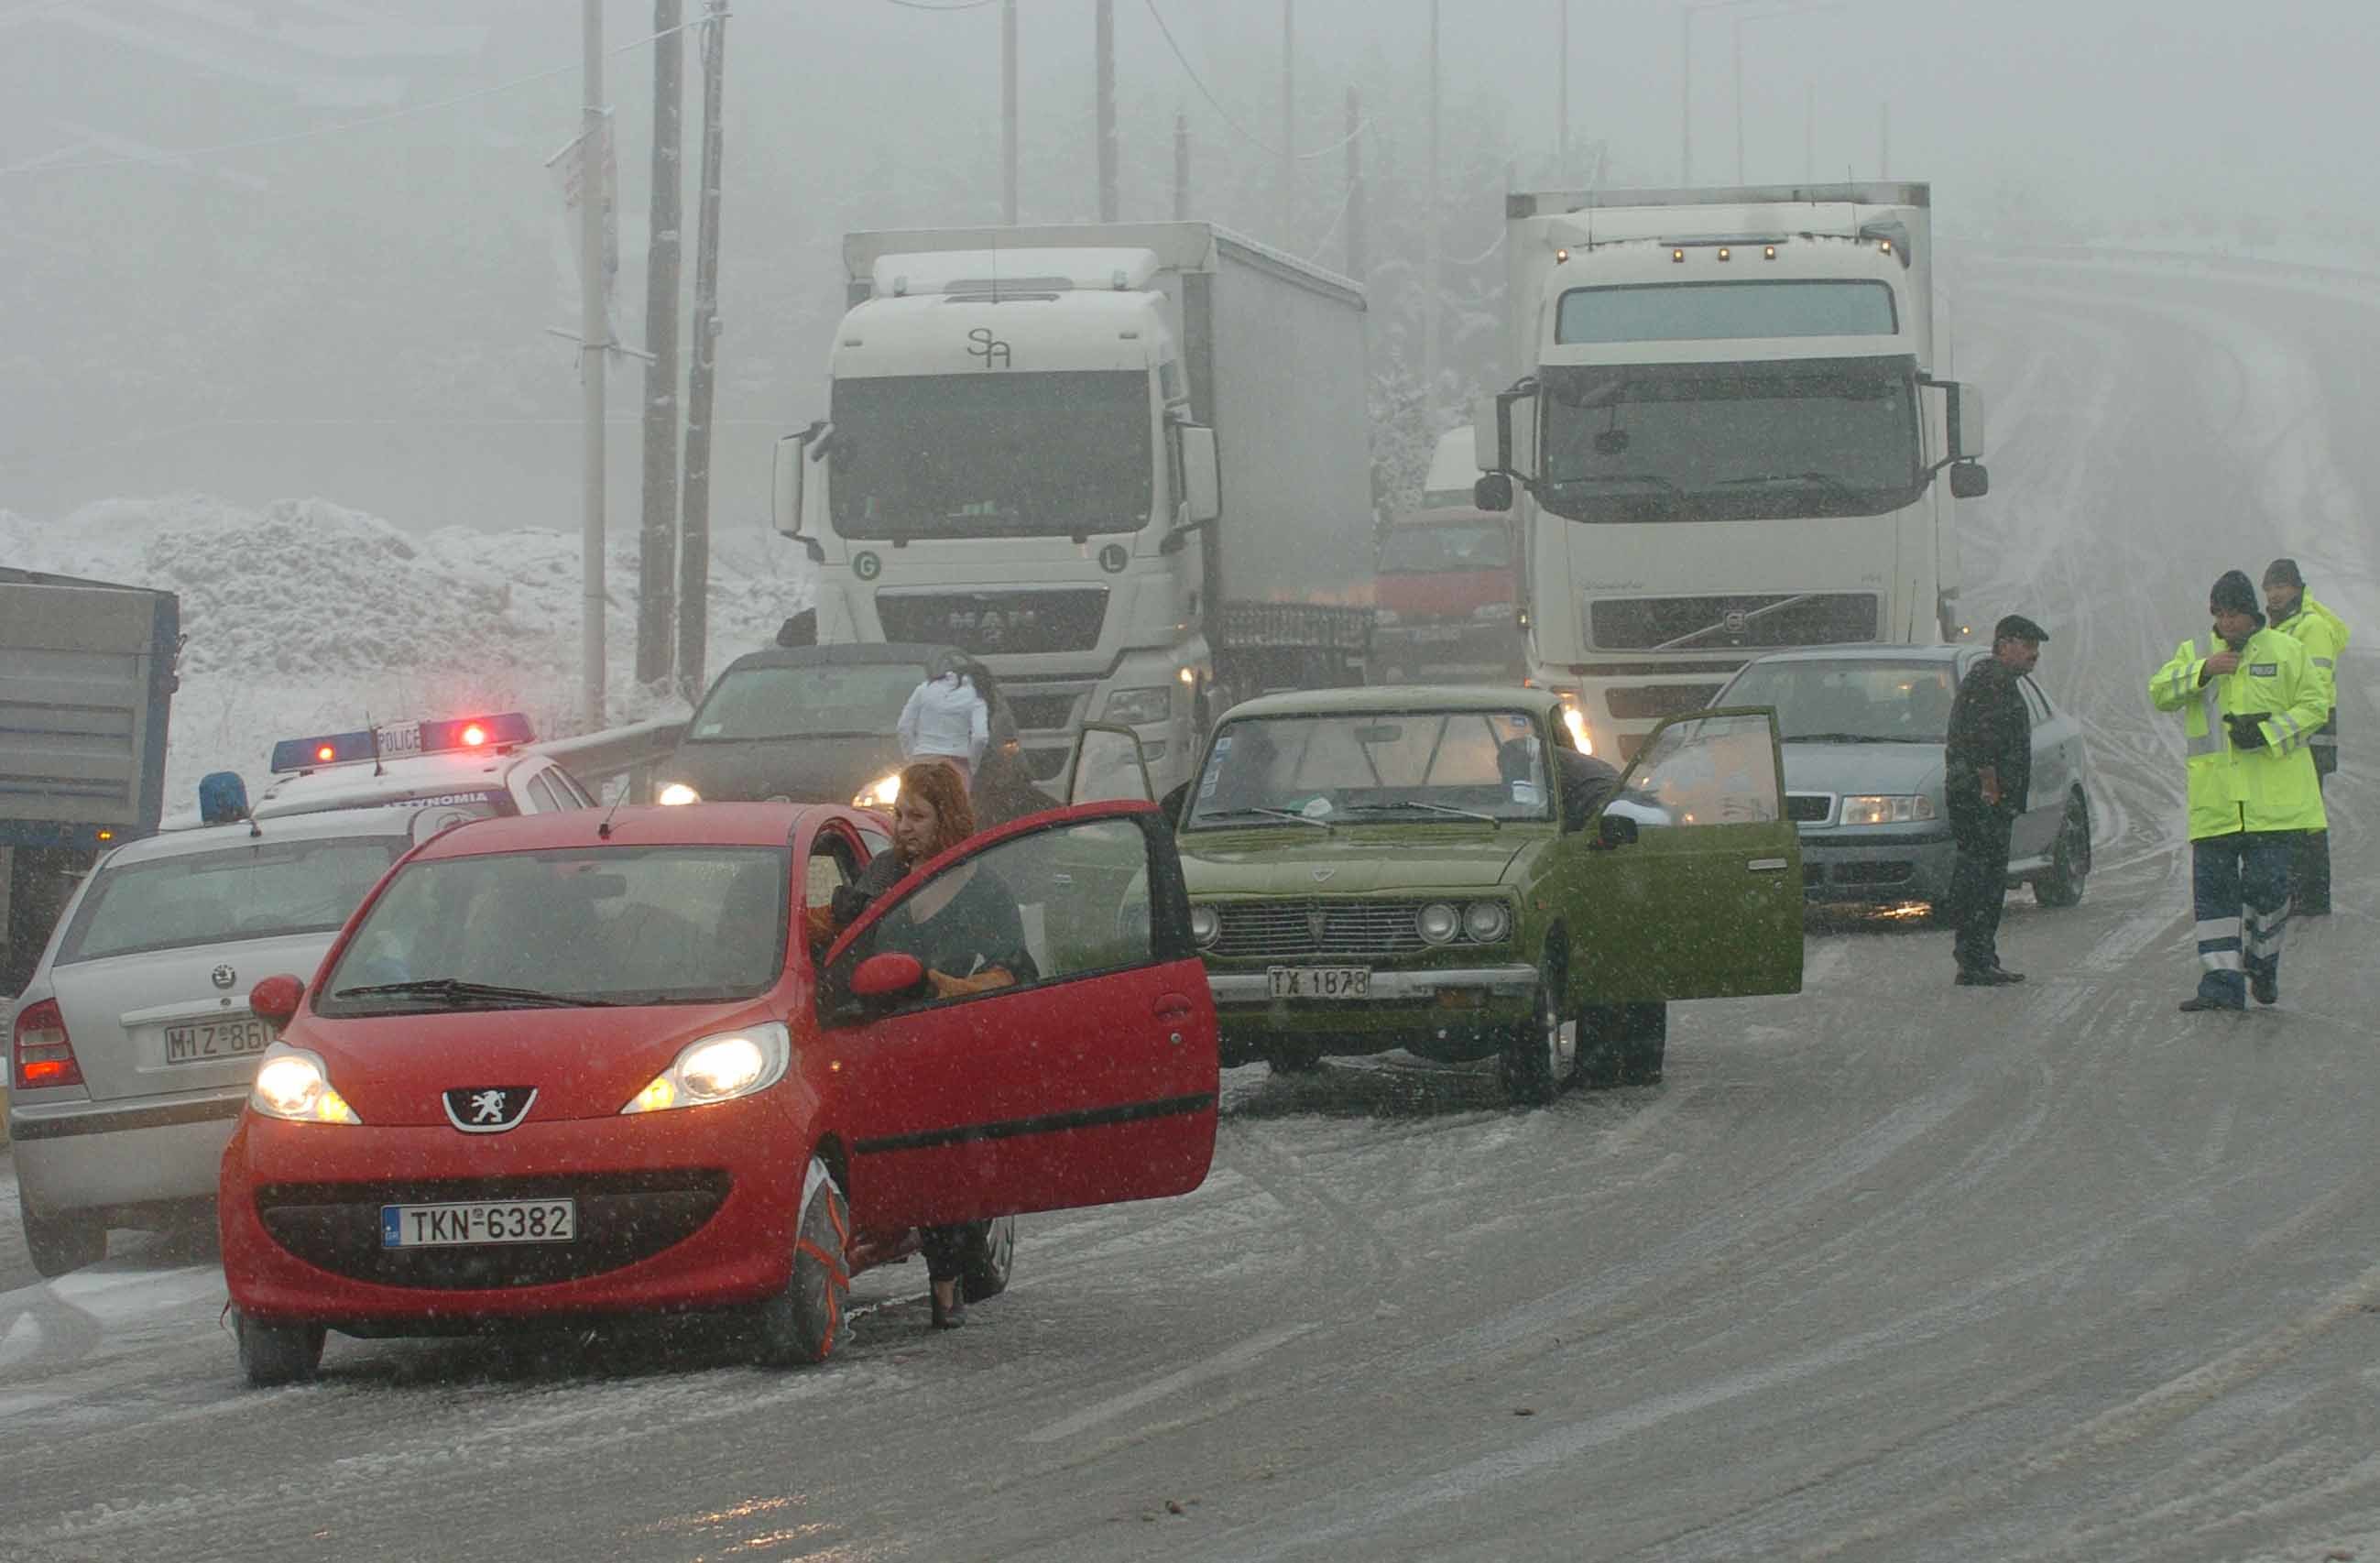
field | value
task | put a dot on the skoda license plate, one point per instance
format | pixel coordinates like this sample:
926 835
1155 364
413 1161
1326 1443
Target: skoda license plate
468 1224
203 1040
1321 982
1436 633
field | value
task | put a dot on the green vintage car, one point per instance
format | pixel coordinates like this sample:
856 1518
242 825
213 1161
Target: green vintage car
1439 870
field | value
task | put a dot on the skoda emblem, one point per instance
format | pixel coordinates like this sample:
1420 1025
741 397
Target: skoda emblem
488 1109
1113 558
223 975
866 566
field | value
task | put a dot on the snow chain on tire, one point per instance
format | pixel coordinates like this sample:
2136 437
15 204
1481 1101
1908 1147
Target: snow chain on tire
803 1323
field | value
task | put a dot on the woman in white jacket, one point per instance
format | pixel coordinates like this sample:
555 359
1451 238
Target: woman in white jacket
948 719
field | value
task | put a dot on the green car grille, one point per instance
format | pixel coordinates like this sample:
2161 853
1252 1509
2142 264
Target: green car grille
1291 929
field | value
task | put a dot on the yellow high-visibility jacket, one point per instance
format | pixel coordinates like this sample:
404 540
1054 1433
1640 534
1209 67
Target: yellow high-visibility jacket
2323 636
2232 789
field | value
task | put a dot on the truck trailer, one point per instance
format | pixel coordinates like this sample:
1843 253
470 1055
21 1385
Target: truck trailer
86 684
1125 464
1728 413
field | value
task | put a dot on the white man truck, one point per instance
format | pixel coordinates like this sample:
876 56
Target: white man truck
1125 464
1729 412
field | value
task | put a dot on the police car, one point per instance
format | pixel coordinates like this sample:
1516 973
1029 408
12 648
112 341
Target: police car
475 768
132 1047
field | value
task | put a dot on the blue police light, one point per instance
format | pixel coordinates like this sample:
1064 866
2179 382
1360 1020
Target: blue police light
499 730
222 797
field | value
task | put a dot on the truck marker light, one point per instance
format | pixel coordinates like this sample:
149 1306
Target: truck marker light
1769 253
1725 253
1679 256
1884 246
1561 256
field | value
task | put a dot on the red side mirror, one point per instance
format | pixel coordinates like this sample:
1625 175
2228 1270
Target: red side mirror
275 999
880 977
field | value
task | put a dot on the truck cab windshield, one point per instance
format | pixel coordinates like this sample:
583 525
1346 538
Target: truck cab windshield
994 454
1729 442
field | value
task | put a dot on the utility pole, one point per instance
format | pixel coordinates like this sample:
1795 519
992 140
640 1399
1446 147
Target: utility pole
657 543
1884 141
1561 93
1739 99
1685 94
1181 166
594 342
1287 120
1810 132
1356 260
1432 283
1008 112
694 545
1107 121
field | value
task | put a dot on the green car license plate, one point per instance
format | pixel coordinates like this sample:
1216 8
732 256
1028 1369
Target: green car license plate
1321 982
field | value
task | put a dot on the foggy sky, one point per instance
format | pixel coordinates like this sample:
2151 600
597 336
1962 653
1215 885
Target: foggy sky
136 300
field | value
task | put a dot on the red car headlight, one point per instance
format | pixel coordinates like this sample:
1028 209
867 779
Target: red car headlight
719 1068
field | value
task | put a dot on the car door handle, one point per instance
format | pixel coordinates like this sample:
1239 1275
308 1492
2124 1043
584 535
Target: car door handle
1173 1008
1765 865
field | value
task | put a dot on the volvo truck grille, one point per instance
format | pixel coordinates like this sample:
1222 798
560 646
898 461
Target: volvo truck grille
997 622
1708 623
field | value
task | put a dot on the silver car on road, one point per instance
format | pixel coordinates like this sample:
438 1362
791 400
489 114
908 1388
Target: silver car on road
1864 728
132 1047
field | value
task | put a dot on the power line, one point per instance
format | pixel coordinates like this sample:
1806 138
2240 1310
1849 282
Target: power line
1225 115
169 156
955 6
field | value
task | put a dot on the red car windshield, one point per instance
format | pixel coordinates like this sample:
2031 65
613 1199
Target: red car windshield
659 924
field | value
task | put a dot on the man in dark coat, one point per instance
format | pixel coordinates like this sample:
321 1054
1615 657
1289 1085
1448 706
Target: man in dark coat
1987 768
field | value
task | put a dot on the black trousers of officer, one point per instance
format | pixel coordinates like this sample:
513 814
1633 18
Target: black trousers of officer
1979 881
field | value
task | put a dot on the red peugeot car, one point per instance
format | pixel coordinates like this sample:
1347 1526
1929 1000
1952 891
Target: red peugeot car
569 1065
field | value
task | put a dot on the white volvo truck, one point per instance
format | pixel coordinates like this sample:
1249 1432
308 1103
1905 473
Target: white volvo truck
1125 464
1728 414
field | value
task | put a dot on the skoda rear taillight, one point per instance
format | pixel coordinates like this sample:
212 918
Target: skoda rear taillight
43 1053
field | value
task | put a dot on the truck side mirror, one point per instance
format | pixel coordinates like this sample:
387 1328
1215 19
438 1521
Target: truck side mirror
785 483
1504 434
1486 445
1202 479
1969 481
1966 423
1493 492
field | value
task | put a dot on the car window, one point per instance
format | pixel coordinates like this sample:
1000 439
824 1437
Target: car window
1058 905
876 841
1421 764
2035 699
1711 771
255 891
1417 550
543 797
817 701
829 867
569 783
1849 699
660 925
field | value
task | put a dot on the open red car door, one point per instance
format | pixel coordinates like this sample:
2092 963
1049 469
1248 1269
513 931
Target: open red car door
1089 1079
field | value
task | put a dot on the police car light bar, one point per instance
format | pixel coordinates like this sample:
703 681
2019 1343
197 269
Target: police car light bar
403 739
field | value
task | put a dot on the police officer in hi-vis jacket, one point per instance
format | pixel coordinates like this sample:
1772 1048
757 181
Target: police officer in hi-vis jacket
2249 705
2295 613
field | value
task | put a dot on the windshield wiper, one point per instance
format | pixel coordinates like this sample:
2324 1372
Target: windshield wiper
1850 738
459 992
1826 480
1267 813
1429 807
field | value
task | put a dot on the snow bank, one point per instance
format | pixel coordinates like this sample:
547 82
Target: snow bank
309 616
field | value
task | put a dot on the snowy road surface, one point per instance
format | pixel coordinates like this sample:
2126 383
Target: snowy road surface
1888 1271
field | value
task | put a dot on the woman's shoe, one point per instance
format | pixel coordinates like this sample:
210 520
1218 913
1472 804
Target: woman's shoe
947 1315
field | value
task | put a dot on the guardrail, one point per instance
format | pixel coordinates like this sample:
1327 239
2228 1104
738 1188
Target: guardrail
624 755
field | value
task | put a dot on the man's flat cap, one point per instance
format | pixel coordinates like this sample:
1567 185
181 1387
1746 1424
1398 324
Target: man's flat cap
2015 626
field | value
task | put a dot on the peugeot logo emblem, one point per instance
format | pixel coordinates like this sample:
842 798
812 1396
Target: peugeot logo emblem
223 976
488 1109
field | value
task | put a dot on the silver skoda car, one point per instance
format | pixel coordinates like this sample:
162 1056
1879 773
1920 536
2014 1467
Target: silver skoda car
132 1047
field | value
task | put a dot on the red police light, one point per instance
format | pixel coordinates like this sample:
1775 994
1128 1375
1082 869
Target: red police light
325 753
474 735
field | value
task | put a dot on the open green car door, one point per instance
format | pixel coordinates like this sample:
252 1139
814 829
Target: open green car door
1694 873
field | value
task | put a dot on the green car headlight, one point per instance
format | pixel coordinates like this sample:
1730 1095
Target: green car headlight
1485 921
1437 923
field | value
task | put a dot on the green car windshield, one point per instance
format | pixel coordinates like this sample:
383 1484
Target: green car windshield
1369 766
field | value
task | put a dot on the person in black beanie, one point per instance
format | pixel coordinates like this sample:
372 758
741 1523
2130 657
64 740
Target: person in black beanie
2249 704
